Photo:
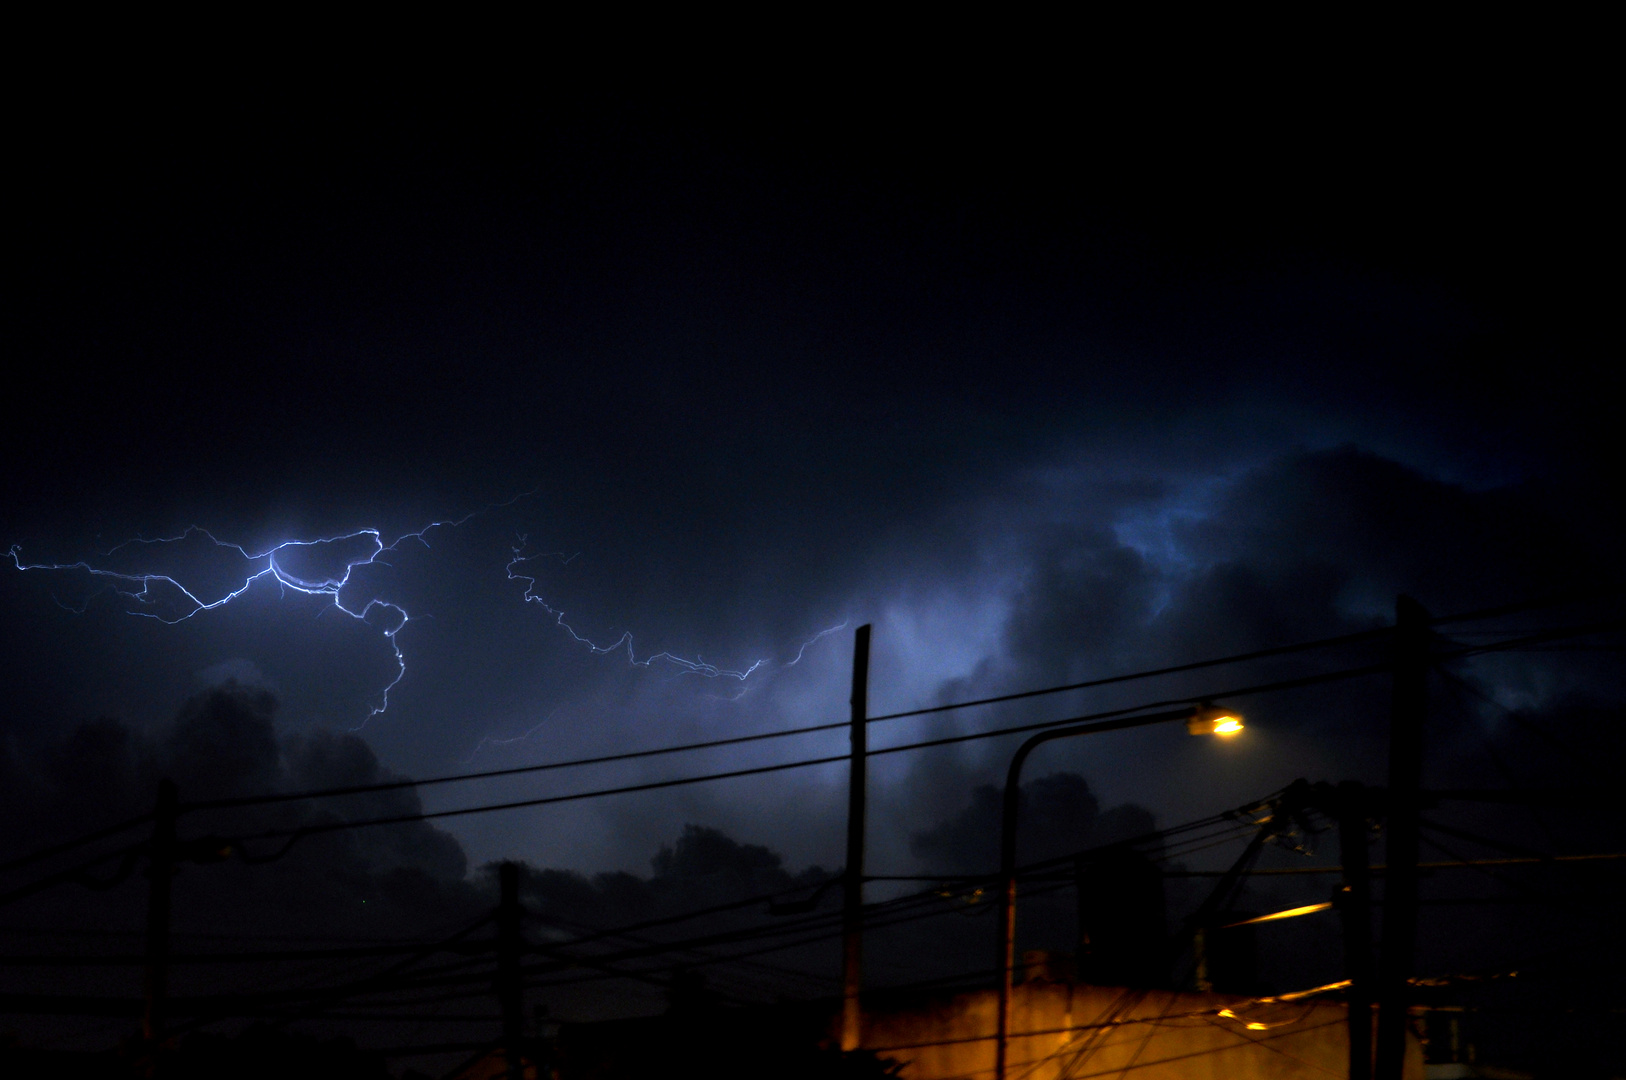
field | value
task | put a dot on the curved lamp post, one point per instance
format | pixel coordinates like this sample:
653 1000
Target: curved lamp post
1200 720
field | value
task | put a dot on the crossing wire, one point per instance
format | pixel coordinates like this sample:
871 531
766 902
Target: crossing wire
1375 634
736 740
1360 636
1112 719
293 835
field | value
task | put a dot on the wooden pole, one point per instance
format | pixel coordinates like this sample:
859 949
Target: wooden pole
1355 905
1399 945
852 911
510 992
160 870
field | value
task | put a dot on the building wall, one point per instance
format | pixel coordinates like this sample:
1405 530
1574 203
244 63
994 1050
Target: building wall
1064 1030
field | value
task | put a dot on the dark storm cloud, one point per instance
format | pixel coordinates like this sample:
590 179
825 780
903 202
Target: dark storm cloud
1307 545
409 880
1303 546
1040 401
1057 814
378 883
1076 569
224 743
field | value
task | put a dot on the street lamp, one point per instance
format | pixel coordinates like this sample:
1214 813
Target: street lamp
1202 719
1207 720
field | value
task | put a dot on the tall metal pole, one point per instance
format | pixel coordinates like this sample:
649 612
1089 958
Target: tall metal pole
161 868
1399 945
1007 856
852 910
510 992
1355 905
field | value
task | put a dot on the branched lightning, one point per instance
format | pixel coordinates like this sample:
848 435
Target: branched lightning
164 598
492 740
328 567
690 666
696 666
842 625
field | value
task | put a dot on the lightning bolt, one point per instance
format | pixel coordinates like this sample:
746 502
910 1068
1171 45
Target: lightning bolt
810 642
697 666
492 740
338 567
327 566
496 742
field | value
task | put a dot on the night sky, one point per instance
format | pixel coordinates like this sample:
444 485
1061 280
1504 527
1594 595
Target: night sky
1046 378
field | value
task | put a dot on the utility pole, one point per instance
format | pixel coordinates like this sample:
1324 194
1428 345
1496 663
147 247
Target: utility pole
1399 946
510 992
160 869
1355 905
852 909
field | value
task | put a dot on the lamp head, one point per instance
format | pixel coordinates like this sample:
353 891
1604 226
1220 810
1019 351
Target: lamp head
1208 720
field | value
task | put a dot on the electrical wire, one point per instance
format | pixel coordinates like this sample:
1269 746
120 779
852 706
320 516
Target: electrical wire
1257 654
825 927
884 916
630 755
799 932
1109 720
295 834
80 875
79 841
736 740
1518 717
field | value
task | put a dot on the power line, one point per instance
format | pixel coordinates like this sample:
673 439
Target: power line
1257 654
810 729
639 939
816 927
899 914
293 835
631 755
1108 720
1541 637
264 957
79 874
1564 599
396 785
1455 863
1518 717
899 910
830 931
80 841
